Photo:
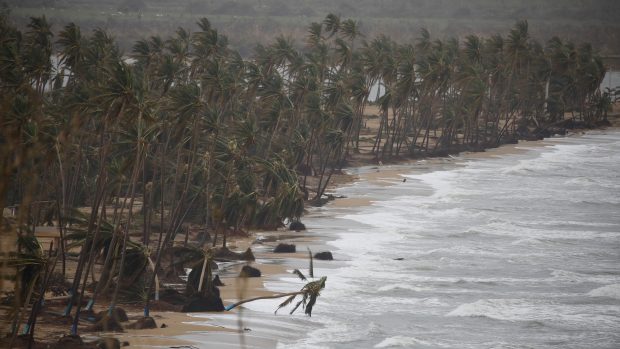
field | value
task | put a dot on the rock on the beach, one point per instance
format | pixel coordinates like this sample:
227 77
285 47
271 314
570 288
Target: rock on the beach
193 279
225 253
285 248
217 281
211 302
249 272
324 256
145 322
106 324
69 342
297 226
119 314
107 343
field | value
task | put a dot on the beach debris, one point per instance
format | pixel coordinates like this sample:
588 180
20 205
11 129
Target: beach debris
309 293
249 272
217 281
106 324
399 259
226 254
208 302
70 341
194 278
108 343
119 314
285 248
324 256
297 226
145 322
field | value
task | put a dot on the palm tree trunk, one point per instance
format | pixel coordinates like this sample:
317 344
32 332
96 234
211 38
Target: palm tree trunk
279 295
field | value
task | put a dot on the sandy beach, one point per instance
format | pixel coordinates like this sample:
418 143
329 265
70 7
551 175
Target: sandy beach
246 327
227 329
241 327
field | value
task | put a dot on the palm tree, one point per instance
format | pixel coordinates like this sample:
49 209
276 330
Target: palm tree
309 293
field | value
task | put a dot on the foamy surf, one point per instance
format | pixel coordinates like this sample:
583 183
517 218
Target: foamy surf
511 251
609 291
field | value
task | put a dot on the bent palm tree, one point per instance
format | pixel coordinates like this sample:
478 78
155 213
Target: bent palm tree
309 293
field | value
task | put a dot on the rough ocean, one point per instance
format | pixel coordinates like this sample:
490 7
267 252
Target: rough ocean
517 250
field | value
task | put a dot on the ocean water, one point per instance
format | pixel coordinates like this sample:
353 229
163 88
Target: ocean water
515 251
519 250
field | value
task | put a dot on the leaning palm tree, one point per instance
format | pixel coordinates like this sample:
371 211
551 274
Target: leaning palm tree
309 293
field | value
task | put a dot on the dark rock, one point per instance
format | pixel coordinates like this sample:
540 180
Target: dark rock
164 326
324 256
119 314
107 343
399 259
249 272
297 226
226 254
172 296
248 255
217 281
145 322
193 279
125 344
285 248
69 342
106 324
211 302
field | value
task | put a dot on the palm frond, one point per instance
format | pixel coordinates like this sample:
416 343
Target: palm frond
302 301
311 268
310 304
286 302
300 274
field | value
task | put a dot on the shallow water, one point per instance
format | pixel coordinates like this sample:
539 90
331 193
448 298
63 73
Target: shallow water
517 251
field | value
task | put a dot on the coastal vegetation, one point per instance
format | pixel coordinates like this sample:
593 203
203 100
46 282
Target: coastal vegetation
124 153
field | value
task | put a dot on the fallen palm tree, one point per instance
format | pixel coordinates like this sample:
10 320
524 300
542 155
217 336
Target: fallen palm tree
309 293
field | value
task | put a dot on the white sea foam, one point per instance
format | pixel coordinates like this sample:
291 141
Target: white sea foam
401 342
491 228
500 309
609 291
392 287
566 276
539 310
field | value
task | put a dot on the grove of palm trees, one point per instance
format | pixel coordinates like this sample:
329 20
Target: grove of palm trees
123 151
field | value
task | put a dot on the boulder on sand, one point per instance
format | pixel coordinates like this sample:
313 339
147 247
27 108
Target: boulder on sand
145 322
285 248
324 256
106 324
297 226
217 281
209 302
119 314
249 272
224 253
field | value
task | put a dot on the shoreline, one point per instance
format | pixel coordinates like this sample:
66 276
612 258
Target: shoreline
182 327
378 175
